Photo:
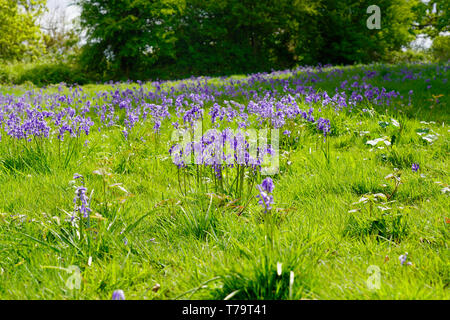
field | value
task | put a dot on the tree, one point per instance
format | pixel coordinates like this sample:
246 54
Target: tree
136 37
441 48
433 17
20 36
60 37
126 37
178 38
345 37
235 36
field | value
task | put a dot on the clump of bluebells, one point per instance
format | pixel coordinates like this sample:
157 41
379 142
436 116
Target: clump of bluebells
265 197
415 167
226 158
324 126
404 260
81 200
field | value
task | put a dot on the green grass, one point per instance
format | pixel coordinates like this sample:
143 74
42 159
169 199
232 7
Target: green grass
198 245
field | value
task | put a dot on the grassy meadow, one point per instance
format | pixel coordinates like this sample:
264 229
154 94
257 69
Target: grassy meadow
360 201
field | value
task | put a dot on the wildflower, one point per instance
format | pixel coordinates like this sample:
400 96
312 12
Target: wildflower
265 200
403 259
118 295
324 126
415 167
267 185
279 268
76 176
80 194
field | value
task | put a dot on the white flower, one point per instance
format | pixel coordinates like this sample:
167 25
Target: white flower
279 268
445 190
395 122
375 141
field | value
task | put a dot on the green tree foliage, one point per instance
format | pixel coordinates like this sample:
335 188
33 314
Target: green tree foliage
342 35
20 36
126 37
178 38
441 48
433 17
190 36
226 36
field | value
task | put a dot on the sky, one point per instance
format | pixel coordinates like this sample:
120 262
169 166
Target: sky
71 10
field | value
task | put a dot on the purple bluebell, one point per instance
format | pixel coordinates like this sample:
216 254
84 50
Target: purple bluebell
118 295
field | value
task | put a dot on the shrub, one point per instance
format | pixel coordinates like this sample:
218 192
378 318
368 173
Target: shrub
441 48
8 73
48 73
407 56
4 76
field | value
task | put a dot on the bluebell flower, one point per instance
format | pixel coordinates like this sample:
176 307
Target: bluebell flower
266 200
118 295
403 259
80 195
267 185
